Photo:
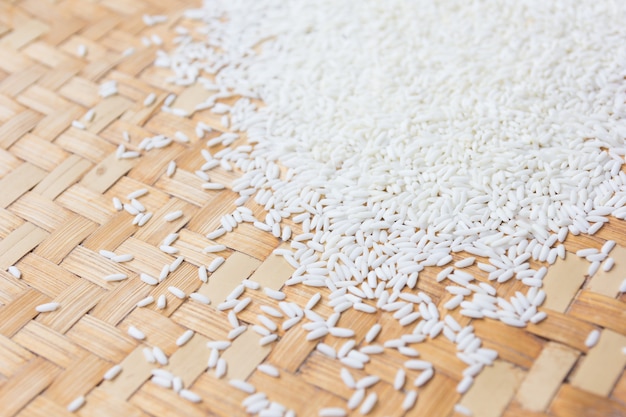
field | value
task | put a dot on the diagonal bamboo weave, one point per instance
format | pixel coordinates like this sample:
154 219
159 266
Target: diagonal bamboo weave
56 186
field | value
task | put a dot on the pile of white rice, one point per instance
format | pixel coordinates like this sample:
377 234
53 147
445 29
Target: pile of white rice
398 133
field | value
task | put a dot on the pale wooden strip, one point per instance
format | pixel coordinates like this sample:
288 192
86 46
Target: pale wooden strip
85 144
571 401
222 282
100 403
244 355
8 161
135 371
603 365
98 70
160 331
185 186
601 310
608 283
153 165
21 241
250 240
191 246
13 60
25 33
8 223
513 344
158 228
321 371
515 410
147 258
293 392
562 282
75 301
158 401
77 379
190 360
102 339
619 390
12 356
141 60
118 302
437 398
107 111
208 218
438 352
62 25
18 81
545 376
81 91
55 123
63 176
49 344
153 200
222 399
134 87
49 55
61 73
195 316
184 278
42 406
492 390
95 51
42 100
87 203
32 379
11 288
192 158
112 233
8 107
190 97
45 276
39 151
17 126
114 133
562 328
93 267
102 27
291 350
107 172
63 239
273 272
221 176
41 211
19 181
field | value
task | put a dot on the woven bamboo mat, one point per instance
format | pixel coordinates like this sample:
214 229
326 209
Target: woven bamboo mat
56 186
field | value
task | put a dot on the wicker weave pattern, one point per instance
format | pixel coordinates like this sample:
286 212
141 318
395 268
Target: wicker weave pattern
56 185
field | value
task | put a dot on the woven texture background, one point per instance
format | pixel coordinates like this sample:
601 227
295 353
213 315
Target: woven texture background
56 186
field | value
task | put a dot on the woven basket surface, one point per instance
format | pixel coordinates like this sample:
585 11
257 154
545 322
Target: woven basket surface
57 182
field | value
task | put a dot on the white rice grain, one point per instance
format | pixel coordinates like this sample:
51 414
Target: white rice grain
268 370
76 404
215 263
112 372
190 396
369 403
136 333
592 338
177 292
332 412
184 338
13 270
242 386
47 307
